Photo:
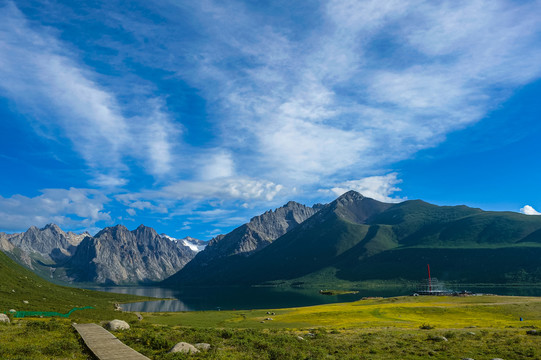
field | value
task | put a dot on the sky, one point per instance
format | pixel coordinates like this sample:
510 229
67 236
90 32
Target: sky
194 116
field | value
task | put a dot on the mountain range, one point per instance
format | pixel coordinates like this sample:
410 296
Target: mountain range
355 238
352 239
249 238
113 256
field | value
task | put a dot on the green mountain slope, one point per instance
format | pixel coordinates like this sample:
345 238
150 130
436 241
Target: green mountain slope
22 290
356 239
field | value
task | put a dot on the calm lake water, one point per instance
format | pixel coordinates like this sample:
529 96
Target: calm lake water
245 298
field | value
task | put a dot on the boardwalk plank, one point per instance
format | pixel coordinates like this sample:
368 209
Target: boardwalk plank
104 345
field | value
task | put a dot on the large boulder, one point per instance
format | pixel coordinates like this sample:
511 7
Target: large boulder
4 318
117 325
185 348
203 346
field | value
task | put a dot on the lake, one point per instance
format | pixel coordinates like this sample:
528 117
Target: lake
246 298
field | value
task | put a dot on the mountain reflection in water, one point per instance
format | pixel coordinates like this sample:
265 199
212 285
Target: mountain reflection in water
246 298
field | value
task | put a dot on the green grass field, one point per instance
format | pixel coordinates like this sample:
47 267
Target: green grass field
479 327
405 312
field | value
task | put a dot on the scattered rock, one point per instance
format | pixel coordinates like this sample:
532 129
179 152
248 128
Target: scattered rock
185 348
471 333
118 307
300 338
311 335
467 359
25 301
496 359
269 319
117 325
12 310
533 332
202 346
262 322
437 338
4 318
139 316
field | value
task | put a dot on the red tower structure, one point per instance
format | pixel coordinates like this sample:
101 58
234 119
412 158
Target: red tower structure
429 279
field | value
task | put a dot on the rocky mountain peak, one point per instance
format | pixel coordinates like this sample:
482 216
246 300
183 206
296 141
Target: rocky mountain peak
251 237
350 196
119 256
143 231
113 230
53 227
292 204
354 207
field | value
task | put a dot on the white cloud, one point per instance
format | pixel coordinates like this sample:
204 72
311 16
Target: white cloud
131 211
528 210
193 198
223 189
140 205
376 187
336 98
64 98
112 181
73 208
315 104
216 165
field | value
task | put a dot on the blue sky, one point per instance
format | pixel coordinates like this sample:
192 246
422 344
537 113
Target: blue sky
193 116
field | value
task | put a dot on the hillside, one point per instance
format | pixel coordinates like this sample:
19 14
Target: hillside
19 285
357 239
247 239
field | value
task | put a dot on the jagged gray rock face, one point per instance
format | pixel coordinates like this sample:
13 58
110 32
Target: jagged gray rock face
249 238
50 243
259 232
116 255
5 245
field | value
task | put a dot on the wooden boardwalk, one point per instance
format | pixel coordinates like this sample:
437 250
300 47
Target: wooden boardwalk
104 345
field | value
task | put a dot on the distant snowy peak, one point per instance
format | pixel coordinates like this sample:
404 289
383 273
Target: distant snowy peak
194 244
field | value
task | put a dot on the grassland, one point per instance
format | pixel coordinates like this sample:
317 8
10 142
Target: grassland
480 327
408 312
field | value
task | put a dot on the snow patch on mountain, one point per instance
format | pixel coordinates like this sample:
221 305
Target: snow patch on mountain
194 244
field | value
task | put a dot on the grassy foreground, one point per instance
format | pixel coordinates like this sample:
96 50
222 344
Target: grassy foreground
48 338
483 327
22 290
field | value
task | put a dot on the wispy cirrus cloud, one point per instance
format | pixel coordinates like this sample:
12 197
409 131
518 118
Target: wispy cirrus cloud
65 100
72 208
371 84
288 99
213 190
